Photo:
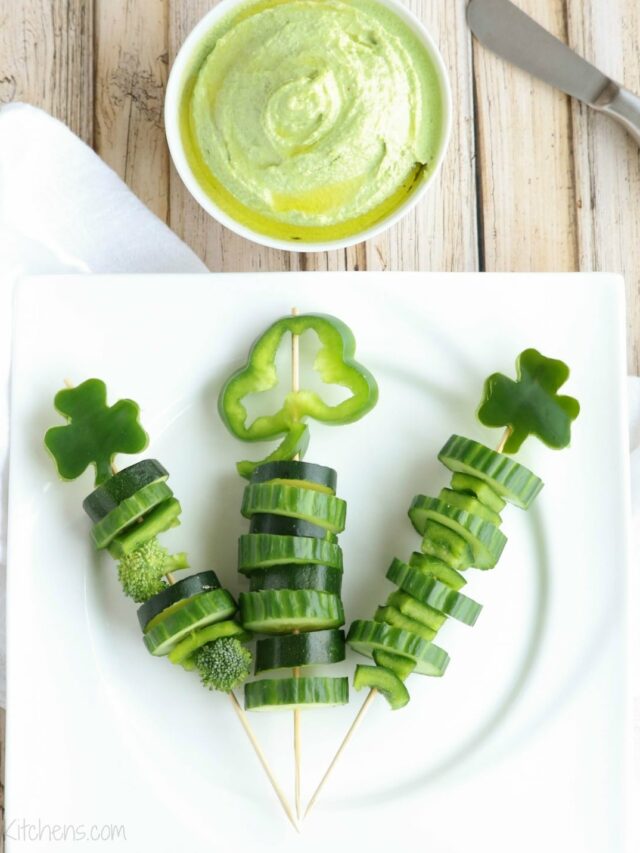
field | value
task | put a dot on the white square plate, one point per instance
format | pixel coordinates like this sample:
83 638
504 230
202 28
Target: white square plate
523 745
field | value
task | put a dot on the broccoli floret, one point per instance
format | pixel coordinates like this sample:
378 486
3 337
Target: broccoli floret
141 572
223 664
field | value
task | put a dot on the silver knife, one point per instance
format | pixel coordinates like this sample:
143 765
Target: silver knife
508 31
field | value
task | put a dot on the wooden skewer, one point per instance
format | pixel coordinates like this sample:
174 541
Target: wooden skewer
297 735
239 710
371 695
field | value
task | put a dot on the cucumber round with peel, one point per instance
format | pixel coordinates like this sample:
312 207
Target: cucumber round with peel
305 504
508 478
174 595
307 475
366 636
427 590
311 649
261 550
123 485
438 569
186 648
129 512
312 576
485 540
204 609
291 694
283 611
470 504
385 681
392 616
283 525
468 485
403 667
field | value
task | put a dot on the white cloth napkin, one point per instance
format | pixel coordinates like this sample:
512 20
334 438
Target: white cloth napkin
62 209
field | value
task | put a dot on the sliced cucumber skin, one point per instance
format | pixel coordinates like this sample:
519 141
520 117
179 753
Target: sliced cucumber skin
392 616
283 525
319 475
312 576
467 484
128 512
366 636
291 693
121 486
402 667
161 518
306 504
426 589
486 540
204 609
470 504
282 611
446 545
185 588
508 478
438 569
414 609
196 639
383 680
310 649
260 551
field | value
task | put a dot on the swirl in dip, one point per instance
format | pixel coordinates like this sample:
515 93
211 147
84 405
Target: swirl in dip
311 119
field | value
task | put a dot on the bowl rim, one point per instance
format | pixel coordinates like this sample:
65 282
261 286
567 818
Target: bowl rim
179 158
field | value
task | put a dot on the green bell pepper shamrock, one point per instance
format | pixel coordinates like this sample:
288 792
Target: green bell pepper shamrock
530 405
335 364
95 432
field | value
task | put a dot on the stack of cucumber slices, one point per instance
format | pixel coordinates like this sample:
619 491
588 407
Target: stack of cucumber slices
293 562
460 529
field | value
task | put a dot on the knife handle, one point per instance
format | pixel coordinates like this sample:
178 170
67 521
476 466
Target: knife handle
623 106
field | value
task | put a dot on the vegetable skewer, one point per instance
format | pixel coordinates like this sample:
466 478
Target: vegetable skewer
297 734
482 480
185 620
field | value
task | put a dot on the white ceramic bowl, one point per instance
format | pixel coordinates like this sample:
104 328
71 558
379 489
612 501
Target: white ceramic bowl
173 100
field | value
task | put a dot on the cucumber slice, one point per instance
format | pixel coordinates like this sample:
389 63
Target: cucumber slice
128 512
438 569
486 540
384 681
466 484
470 504
393 617
366 637
509 479
161 518
186 588
414 609
195 639
306 504
306 474
282 525
427 590
260 551
403 667
447 546
123 485
213 606
282 611
322 578
290 694
293 650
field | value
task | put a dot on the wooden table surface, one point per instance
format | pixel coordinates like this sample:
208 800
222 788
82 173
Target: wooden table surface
533 181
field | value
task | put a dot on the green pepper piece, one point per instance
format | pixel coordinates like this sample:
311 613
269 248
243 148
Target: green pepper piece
295 442
334 363
530 405
95 432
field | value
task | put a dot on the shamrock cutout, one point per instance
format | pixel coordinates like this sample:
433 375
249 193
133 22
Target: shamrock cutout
335 364
95 432
530 405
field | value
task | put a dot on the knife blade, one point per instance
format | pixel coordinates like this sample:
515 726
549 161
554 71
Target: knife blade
512 34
